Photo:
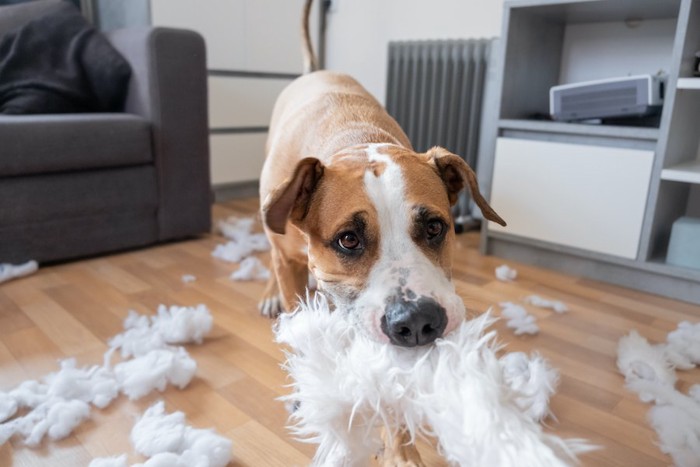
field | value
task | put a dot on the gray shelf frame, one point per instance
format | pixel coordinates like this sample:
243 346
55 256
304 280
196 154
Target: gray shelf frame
526 23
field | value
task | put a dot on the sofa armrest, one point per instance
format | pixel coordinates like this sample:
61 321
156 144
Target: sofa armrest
169 88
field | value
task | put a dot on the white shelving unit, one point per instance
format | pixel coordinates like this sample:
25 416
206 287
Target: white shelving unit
688 172
688 83
568 207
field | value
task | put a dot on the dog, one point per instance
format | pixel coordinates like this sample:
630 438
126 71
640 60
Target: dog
346 198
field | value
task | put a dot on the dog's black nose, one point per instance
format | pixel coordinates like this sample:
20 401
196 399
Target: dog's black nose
412 323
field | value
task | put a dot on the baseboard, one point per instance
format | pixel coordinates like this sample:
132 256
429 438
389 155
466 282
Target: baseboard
237 190
687 290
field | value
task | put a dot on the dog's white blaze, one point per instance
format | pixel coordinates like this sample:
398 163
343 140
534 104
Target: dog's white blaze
401 264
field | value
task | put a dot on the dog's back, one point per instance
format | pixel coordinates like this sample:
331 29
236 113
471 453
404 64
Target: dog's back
319 114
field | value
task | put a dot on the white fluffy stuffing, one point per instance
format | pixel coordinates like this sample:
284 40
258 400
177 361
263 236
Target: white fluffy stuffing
8 406
518 319
171 325
649 372
639 360
169 441
347 386
532 379
505 273
556 305
683 346
14 271
242 241
676 419
60 401
155 370
251 269
187 278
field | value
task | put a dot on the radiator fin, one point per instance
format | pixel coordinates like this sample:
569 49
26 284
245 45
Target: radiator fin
434 91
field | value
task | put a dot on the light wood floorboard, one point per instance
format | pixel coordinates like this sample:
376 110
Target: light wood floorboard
72 309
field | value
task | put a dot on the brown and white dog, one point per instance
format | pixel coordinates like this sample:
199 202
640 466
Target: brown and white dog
346 198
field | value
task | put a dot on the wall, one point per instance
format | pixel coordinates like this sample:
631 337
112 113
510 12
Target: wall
359 31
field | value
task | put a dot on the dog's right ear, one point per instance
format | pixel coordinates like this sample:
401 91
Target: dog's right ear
290 201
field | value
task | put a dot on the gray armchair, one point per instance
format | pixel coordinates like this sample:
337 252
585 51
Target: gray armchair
75 185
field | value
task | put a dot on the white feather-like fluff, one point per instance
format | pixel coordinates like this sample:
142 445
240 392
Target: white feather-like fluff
639 360
346 387
533 379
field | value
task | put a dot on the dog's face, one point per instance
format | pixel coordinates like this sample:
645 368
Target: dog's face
380 236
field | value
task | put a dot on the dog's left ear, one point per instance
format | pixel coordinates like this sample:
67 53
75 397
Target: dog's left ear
290 201
456 173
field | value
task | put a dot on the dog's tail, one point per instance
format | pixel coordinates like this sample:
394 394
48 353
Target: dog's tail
310 62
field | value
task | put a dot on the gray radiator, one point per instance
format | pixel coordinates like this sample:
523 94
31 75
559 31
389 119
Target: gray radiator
435 91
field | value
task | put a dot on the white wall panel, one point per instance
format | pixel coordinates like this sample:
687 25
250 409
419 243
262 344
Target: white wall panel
236 157
247 35
587 197
221 22
242 102
359 31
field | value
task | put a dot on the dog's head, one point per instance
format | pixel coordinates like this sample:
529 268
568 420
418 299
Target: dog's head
380 235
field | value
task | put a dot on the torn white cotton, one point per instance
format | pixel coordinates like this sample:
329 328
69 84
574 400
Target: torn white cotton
532 379
14 271
518 319
8 406
346 387
505 273
116 461
639 360
243 242
59 402
56 418
171 325
556 305
683 346
649 372
155 370
187 278
169 441
251 269
676 420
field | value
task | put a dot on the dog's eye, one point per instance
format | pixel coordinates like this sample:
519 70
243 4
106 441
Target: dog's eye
348 241
434 229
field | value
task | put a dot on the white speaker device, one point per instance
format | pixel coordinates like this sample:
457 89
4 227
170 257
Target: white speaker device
629 96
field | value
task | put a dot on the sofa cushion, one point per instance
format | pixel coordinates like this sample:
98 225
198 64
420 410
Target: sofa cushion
39 144
33 200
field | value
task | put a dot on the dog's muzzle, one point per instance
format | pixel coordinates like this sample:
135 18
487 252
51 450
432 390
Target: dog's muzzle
408 323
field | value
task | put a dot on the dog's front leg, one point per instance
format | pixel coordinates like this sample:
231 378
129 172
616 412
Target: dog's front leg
288 282
399 451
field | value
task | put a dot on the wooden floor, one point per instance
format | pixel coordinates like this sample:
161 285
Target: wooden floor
73 309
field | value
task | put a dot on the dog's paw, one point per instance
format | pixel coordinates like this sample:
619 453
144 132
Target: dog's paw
271 307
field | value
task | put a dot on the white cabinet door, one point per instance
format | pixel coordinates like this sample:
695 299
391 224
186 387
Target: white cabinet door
581 196
242 102
236 158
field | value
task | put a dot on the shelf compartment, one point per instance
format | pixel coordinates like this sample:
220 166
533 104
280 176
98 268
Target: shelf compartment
688 172
610 131
688 83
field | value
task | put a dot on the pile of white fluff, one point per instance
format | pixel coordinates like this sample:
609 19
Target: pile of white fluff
60 401
505 273
168 441
518 319
15 271
242 241
482 410
650 371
